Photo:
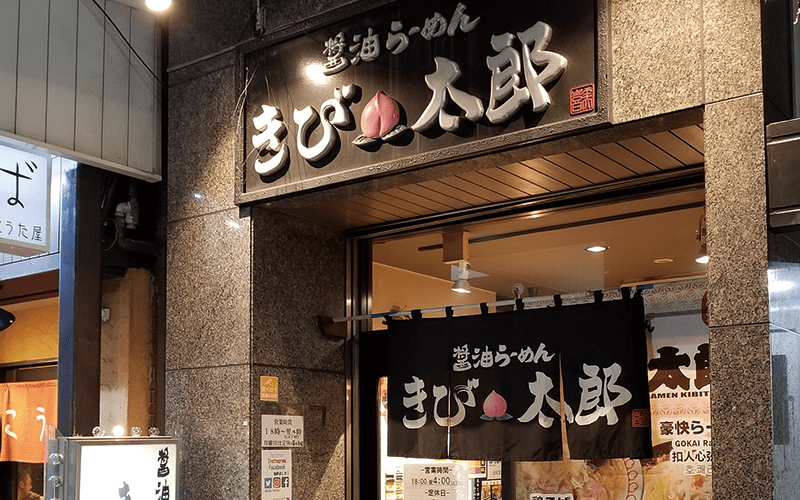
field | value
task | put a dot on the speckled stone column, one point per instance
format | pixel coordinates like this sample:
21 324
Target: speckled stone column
738 301
298 274
671 55
208 396
242 292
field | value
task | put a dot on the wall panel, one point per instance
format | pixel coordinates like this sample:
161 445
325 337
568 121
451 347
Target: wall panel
32 68
9 27
116 91
89 80
143 128
71 83
62 56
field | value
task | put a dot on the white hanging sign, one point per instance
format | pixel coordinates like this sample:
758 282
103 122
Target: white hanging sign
24 202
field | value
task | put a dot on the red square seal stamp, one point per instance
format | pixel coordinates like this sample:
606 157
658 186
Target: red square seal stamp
640 418
581 99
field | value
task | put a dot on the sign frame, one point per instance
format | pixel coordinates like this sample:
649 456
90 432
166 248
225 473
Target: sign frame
465 151
77 445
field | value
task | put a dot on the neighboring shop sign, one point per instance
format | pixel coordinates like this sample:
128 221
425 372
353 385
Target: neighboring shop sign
127 468
26 409
414 83
488 386
24 202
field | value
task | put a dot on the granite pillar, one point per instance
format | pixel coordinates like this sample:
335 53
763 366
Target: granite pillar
208 397
738 301
299 274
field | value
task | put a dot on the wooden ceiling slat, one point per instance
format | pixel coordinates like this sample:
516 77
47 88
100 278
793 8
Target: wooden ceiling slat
368 211
455 193
437 196
428 204
556 173
388 209
602 163
693 136
676 147
549 172
624 157
339 215
478 177
515 181
651 153
579 168
475 188
389 199
549 184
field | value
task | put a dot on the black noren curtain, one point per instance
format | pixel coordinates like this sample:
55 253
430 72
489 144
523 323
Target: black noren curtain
486 387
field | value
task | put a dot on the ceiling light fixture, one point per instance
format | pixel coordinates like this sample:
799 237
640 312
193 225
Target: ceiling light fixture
461 285
597 249
6 319
702 237
158 5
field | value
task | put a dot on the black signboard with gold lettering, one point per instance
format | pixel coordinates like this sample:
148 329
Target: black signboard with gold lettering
409 84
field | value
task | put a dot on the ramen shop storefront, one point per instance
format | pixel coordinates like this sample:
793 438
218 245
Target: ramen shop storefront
420 150
481 414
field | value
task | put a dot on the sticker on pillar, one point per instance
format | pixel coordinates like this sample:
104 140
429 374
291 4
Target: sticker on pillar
281 431
276 474
269 388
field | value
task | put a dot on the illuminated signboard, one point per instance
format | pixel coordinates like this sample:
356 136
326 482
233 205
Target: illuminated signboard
24 202
122 468
415 83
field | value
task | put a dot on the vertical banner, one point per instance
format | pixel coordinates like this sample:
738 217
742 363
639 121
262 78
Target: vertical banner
487 387
418 366
27 408
604 370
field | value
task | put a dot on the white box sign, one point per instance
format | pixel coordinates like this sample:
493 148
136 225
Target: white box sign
24 202
128 471
281 431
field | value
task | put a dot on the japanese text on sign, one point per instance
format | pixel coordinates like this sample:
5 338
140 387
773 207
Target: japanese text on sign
24 202
281 431
435 480
507 97
600 396
162 492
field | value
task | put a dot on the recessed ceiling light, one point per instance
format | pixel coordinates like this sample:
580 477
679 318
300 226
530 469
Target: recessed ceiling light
663 261
597 249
